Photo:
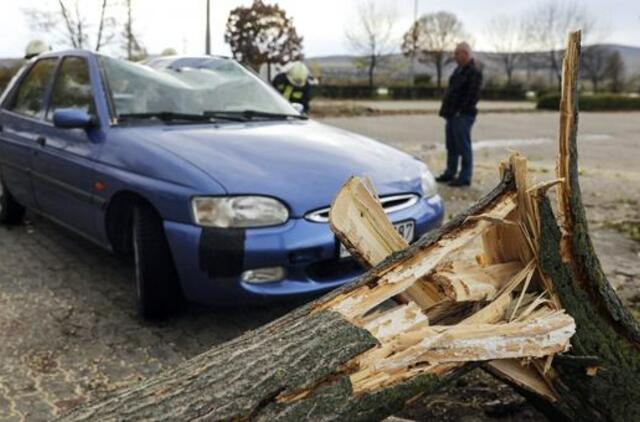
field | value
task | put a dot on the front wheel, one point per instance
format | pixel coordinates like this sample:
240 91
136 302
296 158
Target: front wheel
157 286
10 211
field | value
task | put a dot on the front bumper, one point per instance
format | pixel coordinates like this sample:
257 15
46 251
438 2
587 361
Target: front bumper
210 261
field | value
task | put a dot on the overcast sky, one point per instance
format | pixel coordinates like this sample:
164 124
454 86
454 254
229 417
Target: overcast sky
180 24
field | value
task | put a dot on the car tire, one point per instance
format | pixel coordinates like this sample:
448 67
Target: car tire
10 211
157 285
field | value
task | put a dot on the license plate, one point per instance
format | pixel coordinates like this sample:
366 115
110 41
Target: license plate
406 229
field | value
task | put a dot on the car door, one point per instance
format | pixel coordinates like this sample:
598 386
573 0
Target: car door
21 127
63 173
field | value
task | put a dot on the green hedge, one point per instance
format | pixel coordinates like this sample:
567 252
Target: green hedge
504 94
598 102
405 92
343 91
415 92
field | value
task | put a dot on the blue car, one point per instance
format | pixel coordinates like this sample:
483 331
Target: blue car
198 171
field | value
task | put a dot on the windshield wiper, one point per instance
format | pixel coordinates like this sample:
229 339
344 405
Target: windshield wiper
170 116
253 114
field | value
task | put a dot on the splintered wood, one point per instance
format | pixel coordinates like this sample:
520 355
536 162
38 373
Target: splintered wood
475 294
355 304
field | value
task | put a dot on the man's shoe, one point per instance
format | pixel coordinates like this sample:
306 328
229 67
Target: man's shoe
444 178
459 183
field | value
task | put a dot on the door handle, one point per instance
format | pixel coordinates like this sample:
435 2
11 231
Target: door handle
41 140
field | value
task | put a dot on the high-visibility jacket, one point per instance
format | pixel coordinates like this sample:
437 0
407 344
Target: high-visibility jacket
292 93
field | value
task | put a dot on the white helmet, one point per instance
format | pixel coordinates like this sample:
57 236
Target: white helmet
35 48
298 74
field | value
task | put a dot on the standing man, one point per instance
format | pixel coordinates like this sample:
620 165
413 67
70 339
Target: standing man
459 110
294 85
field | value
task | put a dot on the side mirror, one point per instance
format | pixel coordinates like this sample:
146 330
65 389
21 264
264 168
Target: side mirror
298 107
69 118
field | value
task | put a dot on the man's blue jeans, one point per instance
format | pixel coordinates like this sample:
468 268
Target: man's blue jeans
458 141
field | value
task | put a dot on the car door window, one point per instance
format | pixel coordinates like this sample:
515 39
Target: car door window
29 98
72 87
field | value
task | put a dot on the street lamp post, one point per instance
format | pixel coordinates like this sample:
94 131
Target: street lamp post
207 42
413 49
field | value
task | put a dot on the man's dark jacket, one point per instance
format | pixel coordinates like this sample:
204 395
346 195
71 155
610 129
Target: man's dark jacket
292 93
463 92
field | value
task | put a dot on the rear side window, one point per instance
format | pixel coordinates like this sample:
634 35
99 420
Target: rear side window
72 87
29 97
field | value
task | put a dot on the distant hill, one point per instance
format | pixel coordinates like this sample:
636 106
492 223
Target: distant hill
10 63
396 67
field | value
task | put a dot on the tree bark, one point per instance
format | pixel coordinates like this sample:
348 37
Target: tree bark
355 355
439 62
373 62
598 378
101 25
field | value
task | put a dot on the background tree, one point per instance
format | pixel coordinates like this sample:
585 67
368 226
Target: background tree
505 34
436 35
548 23
614 71
262 33
71 24
594 64
133 47
371 36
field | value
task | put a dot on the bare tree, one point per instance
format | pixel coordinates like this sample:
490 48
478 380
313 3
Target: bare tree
371 37
594 64
71 24
615 71
506 36
548 23
434 36
133 47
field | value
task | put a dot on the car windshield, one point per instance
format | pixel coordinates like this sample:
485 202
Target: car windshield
184 89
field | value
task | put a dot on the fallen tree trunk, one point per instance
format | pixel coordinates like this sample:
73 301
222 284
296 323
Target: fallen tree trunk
309 364
502 283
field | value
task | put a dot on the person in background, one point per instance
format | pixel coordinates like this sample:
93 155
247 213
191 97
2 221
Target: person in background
35 48
294 84
459 109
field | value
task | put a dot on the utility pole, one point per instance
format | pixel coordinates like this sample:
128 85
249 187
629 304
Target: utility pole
414 39
129 32
207 42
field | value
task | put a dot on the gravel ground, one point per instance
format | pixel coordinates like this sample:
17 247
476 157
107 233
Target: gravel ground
67 322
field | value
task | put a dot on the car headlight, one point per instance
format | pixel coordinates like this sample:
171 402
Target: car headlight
429 186
239 211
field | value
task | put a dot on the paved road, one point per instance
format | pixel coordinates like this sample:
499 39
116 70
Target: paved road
68 330
607 140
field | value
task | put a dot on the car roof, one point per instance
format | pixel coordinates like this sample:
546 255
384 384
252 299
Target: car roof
183 61
70 52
